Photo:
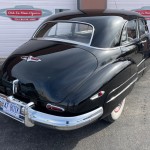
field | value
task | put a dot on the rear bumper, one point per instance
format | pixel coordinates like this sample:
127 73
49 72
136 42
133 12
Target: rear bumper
30 117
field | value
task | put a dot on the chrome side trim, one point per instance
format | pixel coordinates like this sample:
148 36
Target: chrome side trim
142 70
113 98
140 62
123 83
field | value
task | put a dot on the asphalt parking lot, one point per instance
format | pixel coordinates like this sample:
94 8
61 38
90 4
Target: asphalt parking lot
130 132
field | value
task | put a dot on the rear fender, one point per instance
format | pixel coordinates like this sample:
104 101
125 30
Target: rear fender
102 79
119 87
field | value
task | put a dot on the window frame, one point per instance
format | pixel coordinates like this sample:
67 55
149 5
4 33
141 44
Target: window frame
137 33
143 20
62 40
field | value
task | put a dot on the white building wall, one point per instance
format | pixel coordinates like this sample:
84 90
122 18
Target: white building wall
15 33
129 5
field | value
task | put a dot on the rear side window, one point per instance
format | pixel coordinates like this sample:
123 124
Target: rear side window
71 31
143 29
129 32
132 30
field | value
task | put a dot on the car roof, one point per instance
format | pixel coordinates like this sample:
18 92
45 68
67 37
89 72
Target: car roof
108 24
67 15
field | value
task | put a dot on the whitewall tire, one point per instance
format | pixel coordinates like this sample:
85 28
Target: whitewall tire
116 113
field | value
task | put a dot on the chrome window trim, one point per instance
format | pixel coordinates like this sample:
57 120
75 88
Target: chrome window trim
137 32
62 21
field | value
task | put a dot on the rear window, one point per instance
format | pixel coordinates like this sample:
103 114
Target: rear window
70 31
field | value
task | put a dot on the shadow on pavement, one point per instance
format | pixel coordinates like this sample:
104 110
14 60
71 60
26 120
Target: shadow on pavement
16 136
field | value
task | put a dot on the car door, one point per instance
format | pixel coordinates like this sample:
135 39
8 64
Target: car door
144 37
131 45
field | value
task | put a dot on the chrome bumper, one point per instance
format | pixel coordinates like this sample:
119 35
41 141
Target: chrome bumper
30 117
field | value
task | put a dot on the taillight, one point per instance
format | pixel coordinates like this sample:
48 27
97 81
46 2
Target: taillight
99 94
55 108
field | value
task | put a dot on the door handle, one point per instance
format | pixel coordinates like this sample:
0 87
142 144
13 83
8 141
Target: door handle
142 42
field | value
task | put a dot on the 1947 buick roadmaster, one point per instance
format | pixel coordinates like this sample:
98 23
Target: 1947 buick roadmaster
78 67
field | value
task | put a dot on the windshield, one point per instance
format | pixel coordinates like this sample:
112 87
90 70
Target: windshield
71 31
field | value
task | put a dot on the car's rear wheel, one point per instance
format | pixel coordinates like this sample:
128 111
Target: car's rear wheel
116 113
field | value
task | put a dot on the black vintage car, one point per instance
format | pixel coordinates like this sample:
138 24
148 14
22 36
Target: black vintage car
78 67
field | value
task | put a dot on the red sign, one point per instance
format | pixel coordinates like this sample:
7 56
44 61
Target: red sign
24 12
145 13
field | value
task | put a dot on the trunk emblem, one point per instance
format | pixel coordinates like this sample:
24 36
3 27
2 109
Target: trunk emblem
30 59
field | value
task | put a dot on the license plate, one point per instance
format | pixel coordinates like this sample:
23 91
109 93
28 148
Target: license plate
11 109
